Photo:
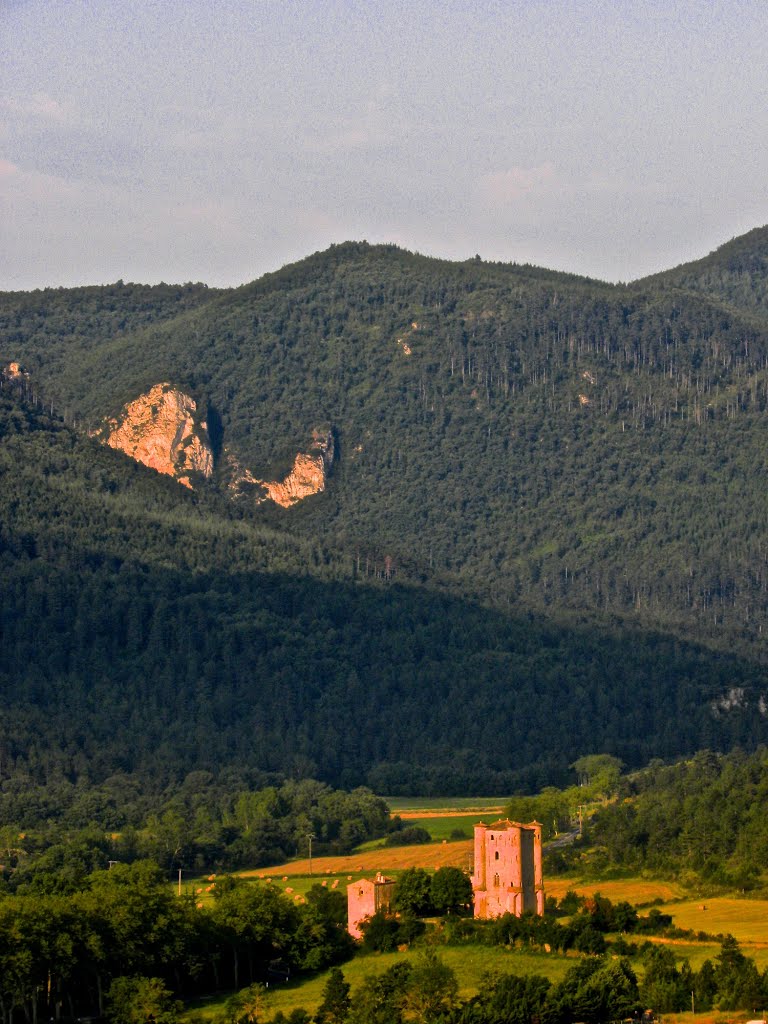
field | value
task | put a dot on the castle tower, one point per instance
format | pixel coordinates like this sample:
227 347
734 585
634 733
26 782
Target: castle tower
364 898
508 877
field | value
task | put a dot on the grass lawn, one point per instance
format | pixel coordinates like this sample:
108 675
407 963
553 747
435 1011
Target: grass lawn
450 805
441 826
469 963
697 952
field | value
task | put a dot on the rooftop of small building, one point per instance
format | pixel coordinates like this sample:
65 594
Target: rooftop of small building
380 879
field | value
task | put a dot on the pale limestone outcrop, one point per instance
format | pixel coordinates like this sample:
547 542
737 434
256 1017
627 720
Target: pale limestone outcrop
307 476
402 342
162 429
15 371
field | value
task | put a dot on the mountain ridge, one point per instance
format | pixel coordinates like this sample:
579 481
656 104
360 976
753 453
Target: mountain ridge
535 447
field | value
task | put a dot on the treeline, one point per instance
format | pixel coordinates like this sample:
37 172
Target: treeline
701 818
53 837
737 273
82 955
449 891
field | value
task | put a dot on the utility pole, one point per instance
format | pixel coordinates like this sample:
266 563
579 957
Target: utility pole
693 1004
179 881
310 837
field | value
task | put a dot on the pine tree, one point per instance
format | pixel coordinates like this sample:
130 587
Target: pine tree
334 1007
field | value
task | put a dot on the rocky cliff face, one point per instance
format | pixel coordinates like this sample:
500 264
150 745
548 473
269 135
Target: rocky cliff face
163 429
15 371
308 474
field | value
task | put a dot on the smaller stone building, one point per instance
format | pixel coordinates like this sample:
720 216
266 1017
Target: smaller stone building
508 876
364 898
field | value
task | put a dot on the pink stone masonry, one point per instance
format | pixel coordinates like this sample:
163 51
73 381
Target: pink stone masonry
508 875
364 898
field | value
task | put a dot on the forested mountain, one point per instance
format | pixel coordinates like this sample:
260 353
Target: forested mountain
737 273
544 532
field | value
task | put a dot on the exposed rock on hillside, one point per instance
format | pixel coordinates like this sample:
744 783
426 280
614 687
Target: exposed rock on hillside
163 430
306 477
15 371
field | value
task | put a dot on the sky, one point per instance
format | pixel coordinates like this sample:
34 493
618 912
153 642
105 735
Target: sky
182 140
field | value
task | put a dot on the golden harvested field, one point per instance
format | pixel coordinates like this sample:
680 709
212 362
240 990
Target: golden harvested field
633 890
745 919
396 858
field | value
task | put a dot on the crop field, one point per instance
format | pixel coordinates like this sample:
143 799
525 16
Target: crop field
745 919
395 858
633 890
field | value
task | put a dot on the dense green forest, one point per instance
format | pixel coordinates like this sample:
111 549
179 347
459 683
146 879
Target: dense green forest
52 837
701 818
544 535
145 632
545 441
737 273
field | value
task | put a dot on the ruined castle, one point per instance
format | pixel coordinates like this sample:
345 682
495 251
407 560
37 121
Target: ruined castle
365 898
507 878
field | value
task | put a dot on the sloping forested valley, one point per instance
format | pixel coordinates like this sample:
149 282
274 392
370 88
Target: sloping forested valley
544 532
543 535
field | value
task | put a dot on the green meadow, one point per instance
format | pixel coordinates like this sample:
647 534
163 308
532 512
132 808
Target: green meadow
470 964
484 805
443 827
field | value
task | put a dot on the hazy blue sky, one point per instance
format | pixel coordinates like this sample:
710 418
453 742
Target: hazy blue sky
185 140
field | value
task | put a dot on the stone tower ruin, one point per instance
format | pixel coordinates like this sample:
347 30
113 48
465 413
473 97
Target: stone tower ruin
365 898
507 878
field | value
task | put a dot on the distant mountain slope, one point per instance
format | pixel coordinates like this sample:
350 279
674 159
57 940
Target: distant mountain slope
53 319
144 632
537 438
736 273
544 530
